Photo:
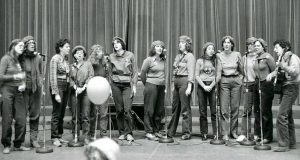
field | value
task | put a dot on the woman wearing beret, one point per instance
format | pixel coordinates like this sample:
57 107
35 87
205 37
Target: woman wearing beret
184 68
205 76
81 72
12 84
264 65
31 63
123 76
59 89
229 74
290 65
153 77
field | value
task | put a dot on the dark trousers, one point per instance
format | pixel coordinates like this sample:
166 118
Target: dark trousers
154 97
203 98
285 121
180 105
267 95
58 113
230 95
33 102
83 112
13 108
102 121
249 98
123 102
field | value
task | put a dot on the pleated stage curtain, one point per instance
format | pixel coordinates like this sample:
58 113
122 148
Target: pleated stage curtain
140 22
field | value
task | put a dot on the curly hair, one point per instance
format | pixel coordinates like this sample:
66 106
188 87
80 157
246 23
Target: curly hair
152 52
286 45
93 55
60 43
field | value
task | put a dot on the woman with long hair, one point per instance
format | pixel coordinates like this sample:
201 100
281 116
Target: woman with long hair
153 77
59 89
123 77
205 76
184 68
12 84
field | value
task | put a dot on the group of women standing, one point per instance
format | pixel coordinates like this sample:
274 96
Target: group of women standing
21 74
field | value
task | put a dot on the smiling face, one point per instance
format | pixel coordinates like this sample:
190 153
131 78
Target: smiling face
210 51
227 45
251 48
19 48
278 50
258 47
182 46
79 55
158 49
31 45
65 49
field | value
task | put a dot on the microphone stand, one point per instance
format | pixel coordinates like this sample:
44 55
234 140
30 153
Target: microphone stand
165 138
247 142
260 146
44 149
217 141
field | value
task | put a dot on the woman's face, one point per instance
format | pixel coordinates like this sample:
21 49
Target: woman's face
227 45
65 49
99 52
182 46
19 48
31 45
79 55
251 48
258 47
158 49
210 50
278 50
117 45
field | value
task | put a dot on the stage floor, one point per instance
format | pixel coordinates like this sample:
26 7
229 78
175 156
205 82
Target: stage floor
143 149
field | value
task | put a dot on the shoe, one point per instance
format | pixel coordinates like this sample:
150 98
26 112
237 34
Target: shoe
185 137
62 141
225 138
241 138
152 137
158 135
266 141
6 150
122 137
56 142
215 137
86 141
35 144
204 137
256 138
129 137
281 149
235 136
21 148
293 146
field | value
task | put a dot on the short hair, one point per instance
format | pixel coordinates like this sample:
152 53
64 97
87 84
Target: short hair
286 45
120 41
60 43
231 41
263 43
13 44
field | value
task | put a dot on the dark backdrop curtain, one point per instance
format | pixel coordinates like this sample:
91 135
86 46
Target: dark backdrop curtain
140 22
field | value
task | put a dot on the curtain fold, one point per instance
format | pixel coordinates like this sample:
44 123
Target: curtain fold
140 22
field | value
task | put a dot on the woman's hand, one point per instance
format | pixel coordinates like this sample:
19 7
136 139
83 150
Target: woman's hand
133 92
22 87
57 98
19 76
188 90
269 77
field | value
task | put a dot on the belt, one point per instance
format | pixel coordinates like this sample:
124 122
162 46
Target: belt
229 76
179 76
62 76
207 82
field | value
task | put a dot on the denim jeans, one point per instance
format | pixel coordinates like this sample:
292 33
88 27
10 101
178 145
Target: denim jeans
285 121
230 93
123 102
102 121
203 98
154 96
13 108
181 105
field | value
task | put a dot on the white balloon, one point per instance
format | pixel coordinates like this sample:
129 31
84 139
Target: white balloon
98 90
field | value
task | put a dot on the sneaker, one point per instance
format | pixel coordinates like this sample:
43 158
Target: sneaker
256 138
21 148
241 138
225 138
62 141
204 137
35 144
129 137
6 150
281 149
266 141
122 137
56 142
293 146
150 136
186 137
86 141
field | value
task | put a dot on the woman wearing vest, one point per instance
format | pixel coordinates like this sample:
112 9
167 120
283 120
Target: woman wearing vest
289 64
